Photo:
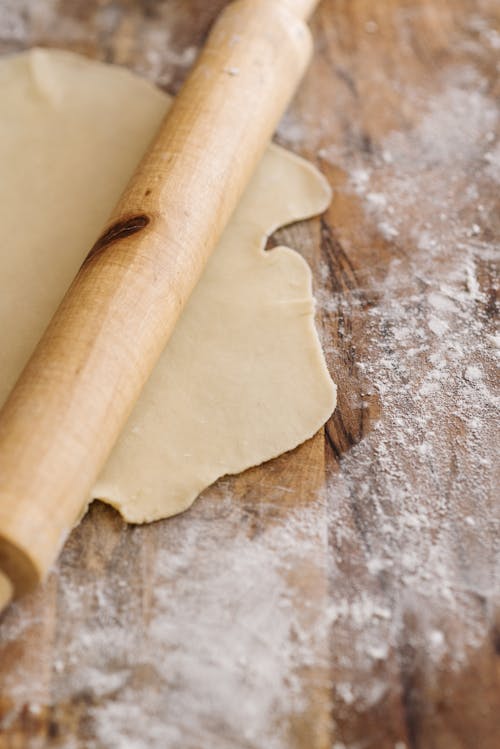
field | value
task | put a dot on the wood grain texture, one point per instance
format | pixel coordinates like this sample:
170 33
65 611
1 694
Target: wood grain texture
403 262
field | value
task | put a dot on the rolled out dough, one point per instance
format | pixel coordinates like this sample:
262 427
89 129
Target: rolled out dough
243 379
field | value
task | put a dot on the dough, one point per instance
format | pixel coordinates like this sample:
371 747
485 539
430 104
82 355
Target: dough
243 379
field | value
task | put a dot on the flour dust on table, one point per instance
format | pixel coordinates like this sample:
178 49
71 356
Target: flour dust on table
220 661
430 358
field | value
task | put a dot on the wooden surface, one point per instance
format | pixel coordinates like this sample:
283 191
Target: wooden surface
347 594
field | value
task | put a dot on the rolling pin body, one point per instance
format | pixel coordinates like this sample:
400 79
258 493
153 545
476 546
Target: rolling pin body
65 413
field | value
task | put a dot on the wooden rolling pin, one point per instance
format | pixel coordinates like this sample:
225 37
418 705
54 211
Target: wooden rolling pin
66 411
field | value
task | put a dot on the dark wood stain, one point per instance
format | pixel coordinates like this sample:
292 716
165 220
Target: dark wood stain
119 230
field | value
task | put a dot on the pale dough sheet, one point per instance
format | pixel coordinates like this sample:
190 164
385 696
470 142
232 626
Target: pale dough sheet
243 379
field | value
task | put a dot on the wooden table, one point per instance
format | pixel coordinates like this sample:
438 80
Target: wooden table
346 595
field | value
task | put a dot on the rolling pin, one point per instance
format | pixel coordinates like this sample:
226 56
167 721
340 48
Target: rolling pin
71 401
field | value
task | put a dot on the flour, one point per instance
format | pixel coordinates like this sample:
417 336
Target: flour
144 42
429 358
223 651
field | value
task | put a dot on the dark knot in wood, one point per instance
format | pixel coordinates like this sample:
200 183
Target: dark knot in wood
119 230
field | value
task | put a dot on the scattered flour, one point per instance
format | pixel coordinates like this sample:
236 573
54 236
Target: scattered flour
428 357
143 41
219 659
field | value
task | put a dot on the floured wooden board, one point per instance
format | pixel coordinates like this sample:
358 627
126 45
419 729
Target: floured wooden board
236 597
